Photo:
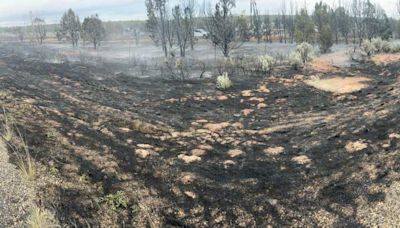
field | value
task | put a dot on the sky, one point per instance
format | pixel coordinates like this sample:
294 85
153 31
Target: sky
17 12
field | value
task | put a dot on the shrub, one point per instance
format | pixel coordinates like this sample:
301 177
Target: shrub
306 52
40 218
266 63
395 46
303 54
223 82
296 61
386 46
378 44
367 48
117 200
325 39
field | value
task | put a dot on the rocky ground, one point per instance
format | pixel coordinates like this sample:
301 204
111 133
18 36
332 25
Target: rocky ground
272 151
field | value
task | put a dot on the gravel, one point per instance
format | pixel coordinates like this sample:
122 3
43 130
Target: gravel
16 197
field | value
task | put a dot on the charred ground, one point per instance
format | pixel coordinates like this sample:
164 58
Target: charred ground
270 151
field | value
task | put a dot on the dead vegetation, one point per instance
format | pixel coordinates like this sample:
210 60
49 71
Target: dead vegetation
339 85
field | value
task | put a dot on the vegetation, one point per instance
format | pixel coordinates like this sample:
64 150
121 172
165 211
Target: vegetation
116 200
40 218
266 63
304 31
221 26
39 29
223 82
303 54
93 30
325 38
70 27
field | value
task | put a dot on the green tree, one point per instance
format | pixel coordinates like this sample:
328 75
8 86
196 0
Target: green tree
325 38
243 28
304 27
221 26
321 15
344 22
93 30
70 27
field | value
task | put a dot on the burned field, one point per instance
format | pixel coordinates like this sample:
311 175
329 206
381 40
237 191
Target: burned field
116 150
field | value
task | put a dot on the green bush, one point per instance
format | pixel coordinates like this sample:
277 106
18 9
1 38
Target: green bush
265 63
116 200
325 39
223 82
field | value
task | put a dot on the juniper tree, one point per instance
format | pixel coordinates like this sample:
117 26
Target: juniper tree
304 27
70 27
93 30
221 27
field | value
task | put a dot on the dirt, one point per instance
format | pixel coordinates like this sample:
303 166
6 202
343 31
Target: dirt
187 158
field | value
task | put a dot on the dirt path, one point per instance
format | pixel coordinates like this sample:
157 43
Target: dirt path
15 196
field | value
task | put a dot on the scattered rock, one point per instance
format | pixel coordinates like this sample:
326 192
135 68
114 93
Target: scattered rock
229 163
202 121
187 178
352 147
263 89
143 153
261 105
198 152
216 126
257 99
273 202
124 129
273 151
145 146
222 98
247 112
301 160
238 125
190 194
235 153
298 77
205 147
247 93
189 158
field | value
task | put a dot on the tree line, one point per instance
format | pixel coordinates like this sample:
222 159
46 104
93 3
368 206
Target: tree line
352 22
70 29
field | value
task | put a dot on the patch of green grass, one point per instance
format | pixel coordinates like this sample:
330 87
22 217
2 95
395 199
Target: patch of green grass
116 200
84 178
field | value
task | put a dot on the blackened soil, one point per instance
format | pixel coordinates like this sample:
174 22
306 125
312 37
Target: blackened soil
83 122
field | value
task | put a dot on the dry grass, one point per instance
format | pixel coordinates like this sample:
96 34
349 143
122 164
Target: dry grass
25 163
339 85
323 66
8 127
384 59
40 218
